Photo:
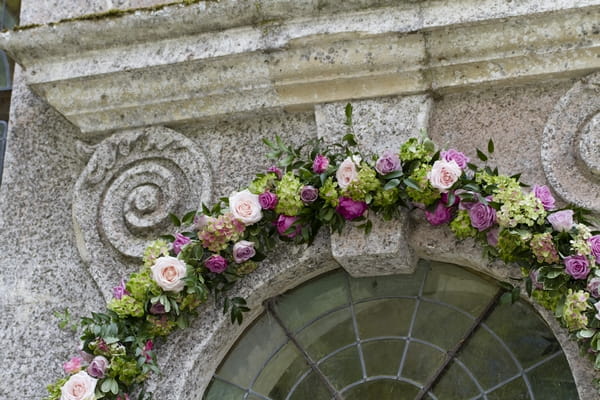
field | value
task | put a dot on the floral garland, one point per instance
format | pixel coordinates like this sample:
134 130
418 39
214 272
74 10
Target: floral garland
318 185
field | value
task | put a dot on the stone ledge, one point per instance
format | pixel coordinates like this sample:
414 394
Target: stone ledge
181 64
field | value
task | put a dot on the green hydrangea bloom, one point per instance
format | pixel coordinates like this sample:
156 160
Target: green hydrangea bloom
217 233
126 306
575 306
160 325
518 208
262 183
428 194
548 299
191 301
412 149
366 182
579 243
543 248
329 192
156 249
504 183
385 198
288 194
54 389
461 225
511 243
141 286
126 370
246 267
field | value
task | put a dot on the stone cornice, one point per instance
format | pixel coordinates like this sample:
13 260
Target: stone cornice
207 60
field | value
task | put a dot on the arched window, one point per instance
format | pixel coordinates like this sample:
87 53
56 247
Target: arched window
440 333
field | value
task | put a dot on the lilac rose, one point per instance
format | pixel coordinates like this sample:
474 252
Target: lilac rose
276 171
285 222
179 242
119 291
243 251
308 194
268 200
594 242
545 196
492 236
351 209
534 275
577 266
593 287
482 216
440 215
562 221
97 367
320 164
387 163
456 156
216 263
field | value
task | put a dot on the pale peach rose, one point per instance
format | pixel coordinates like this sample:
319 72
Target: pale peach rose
80 386
444 174
347 171
245 207
169 272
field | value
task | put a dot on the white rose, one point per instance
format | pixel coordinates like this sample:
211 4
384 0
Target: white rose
444 174
347 172
80 386
168 272
245 207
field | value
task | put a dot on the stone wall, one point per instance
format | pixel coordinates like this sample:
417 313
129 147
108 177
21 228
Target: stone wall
93 134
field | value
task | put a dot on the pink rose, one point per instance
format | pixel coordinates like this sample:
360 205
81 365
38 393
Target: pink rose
320 164
440 215
169 273
594 242
216 263
577 266
456 156
285 222
347 171
545 196
80 386
245 207
97 367
268 200
200 221
73 365
243 251
351 209
562 221
444 174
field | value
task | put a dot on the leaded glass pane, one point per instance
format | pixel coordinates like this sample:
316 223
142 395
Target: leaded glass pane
387 317
311 387
219 390
549 380
387 286
514 390
343 368
281 373
328 334
440 325
421 362
382 357
456 384
382 389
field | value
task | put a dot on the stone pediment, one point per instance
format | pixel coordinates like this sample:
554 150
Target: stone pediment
213 59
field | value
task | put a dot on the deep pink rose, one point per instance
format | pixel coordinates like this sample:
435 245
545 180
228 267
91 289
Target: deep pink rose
179 242
455 155
147 348
351 209
284 222
157 309
119 291
276 171
562 221
482 216
268 200
320 164
577 266
243 251
73 365
594 242
97 367
593 287
388 162
440 215
308 194
216 264
545 196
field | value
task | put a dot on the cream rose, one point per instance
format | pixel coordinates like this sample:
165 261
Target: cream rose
444 174
80 386
168 272
245 207
347 172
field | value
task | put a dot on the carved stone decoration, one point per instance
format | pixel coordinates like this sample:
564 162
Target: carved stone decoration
571 145
123 198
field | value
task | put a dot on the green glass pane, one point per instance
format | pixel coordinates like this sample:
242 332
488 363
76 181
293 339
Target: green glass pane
311 388
343 368
382 357
300 306
455 384
440 325
524 332
388 286
281 373
252 351
487 360
326 335
219 390
387 317
514 390
458 287
553 380
382 389
253 397
421 362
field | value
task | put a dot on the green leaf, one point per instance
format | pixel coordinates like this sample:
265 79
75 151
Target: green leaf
586 333
412 184
491 146
348 112
350 139
188 218
174 219
481 155
393 174
391 184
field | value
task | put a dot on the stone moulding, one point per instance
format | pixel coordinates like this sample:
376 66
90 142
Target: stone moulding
214 59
